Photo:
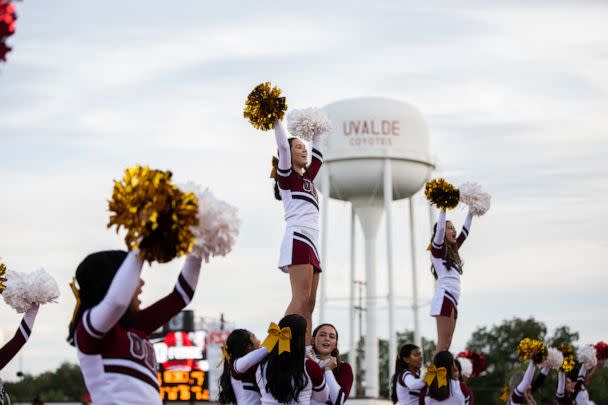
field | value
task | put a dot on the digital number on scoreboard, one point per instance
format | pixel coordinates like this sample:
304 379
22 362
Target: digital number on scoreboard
183 385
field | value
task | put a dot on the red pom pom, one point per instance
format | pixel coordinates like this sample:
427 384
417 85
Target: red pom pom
601 351
7 26
477 359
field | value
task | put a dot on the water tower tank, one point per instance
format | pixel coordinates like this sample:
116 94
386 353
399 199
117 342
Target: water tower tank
366 131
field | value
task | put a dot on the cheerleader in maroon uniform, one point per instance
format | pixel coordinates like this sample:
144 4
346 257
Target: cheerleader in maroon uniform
12 347
406 382
110 331
338 374
242 354
571 388
286 376
299 250
447 268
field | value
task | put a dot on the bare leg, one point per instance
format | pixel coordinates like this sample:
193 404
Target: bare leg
310 307
445 331
301 278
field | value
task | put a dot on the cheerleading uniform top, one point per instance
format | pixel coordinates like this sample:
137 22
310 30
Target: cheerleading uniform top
12 347
459 395
518 396
339 381
117 361
297 191
316 388
447 278
242 377
408 388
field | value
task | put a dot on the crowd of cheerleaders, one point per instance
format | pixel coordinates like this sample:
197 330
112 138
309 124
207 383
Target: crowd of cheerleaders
293 365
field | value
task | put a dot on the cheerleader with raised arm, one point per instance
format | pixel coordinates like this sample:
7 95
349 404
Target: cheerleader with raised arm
294 186
241 355
24 293
406 382
111 332
338 374
286 376
443 385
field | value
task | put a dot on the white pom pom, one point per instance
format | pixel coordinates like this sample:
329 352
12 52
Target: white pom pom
466 365
308 122
23 290
472 195
218 225
587 355
555 359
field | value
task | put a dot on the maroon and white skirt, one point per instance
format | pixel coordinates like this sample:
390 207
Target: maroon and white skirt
444 303
300 246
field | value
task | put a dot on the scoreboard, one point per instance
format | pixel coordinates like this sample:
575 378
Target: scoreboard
183 385
182 356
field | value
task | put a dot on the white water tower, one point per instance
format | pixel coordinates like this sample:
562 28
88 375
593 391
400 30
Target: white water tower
377 152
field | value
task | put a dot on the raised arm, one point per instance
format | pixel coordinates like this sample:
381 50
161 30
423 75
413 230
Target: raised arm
103 316
159 313
520 391
283 147
561 386
466 228
438 240
12 347
317 157
243 364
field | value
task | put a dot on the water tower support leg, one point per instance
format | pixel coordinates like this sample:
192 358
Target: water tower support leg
415 303
388 200
352 353
324 239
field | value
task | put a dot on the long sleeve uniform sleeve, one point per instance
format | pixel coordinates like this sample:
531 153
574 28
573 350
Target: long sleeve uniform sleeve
339 389
12 347
525 383
466 229
317 157
438 239
243 364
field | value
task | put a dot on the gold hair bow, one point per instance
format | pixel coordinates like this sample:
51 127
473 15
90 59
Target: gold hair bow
2 277
225 356
440 374
280 335
505 394
275 165
76 293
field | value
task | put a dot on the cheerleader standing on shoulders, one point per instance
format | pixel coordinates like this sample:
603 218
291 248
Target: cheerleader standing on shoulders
110 331
406 382
443 386
286 376
242 354
299 250
447 268
338 374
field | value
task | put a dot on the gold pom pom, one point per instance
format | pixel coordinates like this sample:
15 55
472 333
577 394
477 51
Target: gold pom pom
442 194
532 349
264 106
569 361
155 213
2 277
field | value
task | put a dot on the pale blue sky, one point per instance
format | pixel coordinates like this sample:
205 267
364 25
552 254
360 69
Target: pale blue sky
515 97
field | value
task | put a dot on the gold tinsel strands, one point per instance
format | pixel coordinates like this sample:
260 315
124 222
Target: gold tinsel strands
442 194
532 349
2 277
264 106
569 361
156 214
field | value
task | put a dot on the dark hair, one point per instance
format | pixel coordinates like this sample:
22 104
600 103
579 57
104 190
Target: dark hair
238 344
401 366
459 367
277 194
285 375
442 359
94 276
449 253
